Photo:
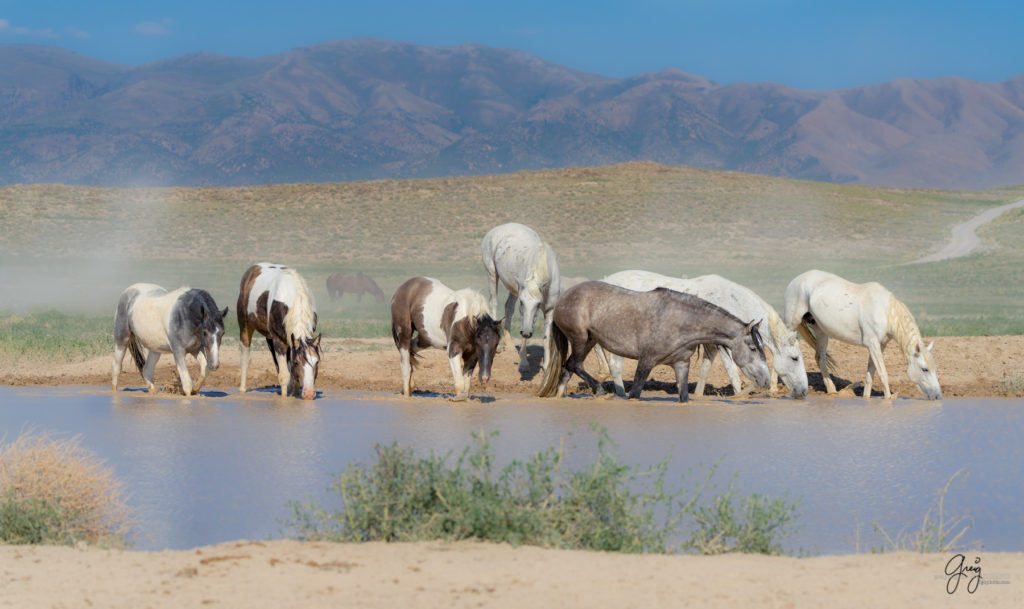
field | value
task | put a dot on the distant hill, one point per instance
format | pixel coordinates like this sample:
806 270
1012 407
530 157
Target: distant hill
364 108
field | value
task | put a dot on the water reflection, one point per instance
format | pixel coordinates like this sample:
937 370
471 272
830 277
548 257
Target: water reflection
215 468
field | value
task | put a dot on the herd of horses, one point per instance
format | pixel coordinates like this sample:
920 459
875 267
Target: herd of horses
651 318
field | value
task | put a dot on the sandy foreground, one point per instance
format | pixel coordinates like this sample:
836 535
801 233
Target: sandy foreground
973 366
282 574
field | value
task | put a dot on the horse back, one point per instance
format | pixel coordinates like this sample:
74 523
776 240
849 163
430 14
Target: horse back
418 306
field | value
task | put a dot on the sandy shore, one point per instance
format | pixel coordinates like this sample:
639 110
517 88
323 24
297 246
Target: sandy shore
974 366
282 574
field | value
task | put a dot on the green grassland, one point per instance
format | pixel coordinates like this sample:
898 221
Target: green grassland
67 252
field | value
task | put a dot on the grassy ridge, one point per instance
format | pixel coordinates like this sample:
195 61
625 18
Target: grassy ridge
71 250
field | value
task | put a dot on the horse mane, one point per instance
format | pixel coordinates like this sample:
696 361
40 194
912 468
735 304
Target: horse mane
777 327
902 325
696 301
539 273
472 303
300 319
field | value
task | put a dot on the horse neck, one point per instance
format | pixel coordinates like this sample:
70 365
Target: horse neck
300 319
902 326
778 330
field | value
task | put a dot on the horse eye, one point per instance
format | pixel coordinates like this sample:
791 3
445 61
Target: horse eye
796 359
924 369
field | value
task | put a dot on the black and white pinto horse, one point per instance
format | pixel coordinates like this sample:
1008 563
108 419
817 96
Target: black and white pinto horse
184 321
275 301
657 327
515 255
457 321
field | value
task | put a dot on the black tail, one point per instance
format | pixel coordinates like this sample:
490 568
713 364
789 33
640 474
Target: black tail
136 348
558 352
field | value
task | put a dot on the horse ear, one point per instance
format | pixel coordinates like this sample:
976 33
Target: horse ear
753 325
224 313
930 345
316 341
295 343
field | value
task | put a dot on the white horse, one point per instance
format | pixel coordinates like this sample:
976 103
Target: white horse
784 345
822 305
528 268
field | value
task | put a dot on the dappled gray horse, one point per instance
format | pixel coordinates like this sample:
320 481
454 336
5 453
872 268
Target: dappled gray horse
657 327
150 320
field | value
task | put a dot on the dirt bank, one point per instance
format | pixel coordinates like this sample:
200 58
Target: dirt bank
978 366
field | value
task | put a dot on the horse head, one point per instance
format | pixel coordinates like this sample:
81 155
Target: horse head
530 297
921 369
788 362
488 335
748 353
304 362
211 329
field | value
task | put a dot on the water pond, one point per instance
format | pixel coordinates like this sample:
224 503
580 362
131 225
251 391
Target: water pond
223 467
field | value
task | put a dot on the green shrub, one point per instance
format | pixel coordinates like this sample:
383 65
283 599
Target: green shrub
35 521
607 505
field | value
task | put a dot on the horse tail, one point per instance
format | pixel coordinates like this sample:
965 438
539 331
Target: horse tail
807 333
136 348
558 352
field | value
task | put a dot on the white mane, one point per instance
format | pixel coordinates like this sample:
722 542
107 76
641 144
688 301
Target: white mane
471 303
301 317
903 327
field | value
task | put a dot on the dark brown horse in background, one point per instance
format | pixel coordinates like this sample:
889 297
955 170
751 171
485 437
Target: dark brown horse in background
354 283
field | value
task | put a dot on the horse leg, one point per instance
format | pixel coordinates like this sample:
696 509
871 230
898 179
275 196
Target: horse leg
183 377
244 348
461 388
524 362
201 358
284 373
120 347
682 368
875 355
643 370
707 357
405 357
510 309
733 372
615 369
869 377
149 369
604 371
574 364
821 343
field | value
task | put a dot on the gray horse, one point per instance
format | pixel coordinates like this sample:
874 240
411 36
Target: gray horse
657 327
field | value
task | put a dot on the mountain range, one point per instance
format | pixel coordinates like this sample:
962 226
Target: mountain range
368 108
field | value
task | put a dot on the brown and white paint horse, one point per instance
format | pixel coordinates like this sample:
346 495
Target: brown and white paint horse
275 300
458 321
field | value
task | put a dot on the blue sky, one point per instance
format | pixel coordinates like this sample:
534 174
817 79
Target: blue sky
818 44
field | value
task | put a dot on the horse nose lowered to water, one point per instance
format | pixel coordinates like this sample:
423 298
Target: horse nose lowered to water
275 301
457 321
657 327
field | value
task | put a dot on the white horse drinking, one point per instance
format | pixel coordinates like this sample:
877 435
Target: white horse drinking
784 345
528 268
822 305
